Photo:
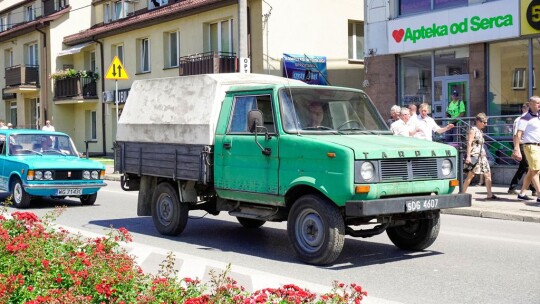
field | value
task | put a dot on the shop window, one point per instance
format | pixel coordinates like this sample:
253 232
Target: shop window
415 78
408 7
518 79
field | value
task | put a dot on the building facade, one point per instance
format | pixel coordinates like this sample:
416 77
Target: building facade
316 41
421 50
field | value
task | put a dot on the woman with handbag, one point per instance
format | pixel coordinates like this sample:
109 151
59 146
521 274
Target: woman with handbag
477 161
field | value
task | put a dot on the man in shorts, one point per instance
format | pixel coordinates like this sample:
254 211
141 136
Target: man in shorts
528 130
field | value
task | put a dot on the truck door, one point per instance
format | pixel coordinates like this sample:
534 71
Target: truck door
240 164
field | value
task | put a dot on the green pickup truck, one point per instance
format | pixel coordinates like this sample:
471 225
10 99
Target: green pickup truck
265 148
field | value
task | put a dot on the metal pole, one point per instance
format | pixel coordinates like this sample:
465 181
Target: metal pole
460 167
242 29
116 101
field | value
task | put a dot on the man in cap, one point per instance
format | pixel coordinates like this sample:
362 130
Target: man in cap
455 109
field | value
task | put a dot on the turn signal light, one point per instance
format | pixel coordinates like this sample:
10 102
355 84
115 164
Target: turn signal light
454 183
30 175
331 154
102 174
361 189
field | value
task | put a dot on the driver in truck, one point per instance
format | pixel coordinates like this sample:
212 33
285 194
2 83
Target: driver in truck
316 114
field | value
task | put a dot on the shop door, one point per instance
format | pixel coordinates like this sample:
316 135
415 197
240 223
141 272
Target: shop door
443 87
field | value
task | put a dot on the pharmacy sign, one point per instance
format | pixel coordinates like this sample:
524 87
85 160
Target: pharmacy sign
490 21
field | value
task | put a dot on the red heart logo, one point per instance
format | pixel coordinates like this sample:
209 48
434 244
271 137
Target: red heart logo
398 35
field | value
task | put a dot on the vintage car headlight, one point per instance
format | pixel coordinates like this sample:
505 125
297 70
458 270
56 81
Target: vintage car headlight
86 174
38 175
48 175
446 167
367 171
95 174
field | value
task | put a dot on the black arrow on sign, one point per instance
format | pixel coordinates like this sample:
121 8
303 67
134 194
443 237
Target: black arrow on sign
113 70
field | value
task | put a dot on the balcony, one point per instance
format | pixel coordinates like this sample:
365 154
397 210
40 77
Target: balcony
77 87
22 75
208 63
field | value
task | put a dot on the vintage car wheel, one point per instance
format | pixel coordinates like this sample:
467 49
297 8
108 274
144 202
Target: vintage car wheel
415 235
89 199
21 199
170 216
316 230
250 223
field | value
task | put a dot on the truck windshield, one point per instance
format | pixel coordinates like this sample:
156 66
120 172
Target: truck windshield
28 144
329 110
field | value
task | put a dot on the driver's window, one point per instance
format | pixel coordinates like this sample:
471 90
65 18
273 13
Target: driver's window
241 107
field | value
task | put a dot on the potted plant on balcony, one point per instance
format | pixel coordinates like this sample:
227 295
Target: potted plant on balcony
72 73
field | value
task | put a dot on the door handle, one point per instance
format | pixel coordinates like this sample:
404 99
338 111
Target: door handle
227 145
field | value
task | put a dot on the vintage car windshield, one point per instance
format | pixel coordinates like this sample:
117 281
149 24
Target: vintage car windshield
44 144
323 111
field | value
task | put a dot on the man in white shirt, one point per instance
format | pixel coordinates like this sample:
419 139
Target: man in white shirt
412 111
425 125
404 126
48 126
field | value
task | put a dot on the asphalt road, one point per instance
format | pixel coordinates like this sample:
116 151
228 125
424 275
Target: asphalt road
474 260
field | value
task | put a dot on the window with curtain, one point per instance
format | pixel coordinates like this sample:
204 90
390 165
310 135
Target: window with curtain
32 54
356 40
173 49
30 13
221 36
144 55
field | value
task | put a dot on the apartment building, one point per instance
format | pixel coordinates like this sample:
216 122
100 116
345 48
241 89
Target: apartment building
316 41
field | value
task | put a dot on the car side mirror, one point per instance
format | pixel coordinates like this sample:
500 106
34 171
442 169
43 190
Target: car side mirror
255 120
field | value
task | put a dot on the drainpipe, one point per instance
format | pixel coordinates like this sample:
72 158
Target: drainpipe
102 62
43 92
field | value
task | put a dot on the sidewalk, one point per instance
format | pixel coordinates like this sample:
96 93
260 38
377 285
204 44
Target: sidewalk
507 208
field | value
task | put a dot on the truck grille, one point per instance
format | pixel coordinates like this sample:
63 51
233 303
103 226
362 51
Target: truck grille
408 169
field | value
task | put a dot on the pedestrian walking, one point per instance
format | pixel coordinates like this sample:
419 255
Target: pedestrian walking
528 130
48 126
425 125
523 164
477 155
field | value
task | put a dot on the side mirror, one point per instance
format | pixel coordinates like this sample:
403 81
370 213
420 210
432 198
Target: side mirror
255 120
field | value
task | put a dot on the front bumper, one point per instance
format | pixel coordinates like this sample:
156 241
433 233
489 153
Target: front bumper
51 189
409 204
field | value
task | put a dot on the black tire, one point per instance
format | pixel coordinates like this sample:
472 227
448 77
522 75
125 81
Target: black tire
19 197
416 235
170 216
89 199
316 230
250 223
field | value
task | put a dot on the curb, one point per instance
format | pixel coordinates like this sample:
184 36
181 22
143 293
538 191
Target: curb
474 212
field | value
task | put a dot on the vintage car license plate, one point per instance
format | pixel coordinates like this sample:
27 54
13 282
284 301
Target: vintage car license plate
421 204
76 191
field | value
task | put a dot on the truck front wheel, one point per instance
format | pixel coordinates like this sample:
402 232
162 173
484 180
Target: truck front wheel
416 235
170 216
316 229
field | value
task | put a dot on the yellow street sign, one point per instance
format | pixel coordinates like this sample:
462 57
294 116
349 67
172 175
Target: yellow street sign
116 70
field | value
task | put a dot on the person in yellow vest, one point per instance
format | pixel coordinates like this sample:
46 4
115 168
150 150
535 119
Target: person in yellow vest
455 109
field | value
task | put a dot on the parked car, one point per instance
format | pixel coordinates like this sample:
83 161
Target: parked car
35 163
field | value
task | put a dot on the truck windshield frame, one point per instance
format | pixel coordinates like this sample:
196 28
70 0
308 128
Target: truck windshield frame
320 110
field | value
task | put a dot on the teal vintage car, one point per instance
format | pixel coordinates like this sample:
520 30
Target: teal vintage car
36 163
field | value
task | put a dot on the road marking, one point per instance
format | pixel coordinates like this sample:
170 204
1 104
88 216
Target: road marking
120 191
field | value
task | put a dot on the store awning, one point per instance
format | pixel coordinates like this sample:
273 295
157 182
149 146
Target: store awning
74 49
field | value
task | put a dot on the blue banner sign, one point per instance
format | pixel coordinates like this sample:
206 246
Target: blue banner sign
309 69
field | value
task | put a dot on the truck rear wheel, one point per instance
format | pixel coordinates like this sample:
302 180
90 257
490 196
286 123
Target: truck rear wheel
316 230
170 216
249 222
416 235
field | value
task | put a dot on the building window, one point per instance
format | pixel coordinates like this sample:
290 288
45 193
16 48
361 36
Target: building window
60 4
172 49
91 125
118 50
32 54
407 7
518 78
90 61
356 40
8 58
13 113
107 13
153 4
220 36
30 13
3 23
144 55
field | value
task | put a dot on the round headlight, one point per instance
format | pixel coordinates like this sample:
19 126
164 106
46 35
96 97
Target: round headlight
446 167
48 175
366 171
38 175
86 174
95 175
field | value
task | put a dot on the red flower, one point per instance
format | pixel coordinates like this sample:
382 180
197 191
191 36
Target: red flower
45 263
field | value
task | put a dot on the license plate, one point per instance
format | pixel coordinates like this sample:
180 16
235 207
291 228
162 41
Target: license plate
421 204
76 191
